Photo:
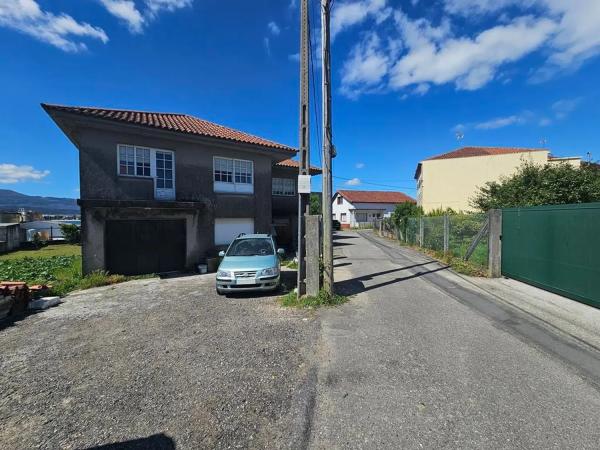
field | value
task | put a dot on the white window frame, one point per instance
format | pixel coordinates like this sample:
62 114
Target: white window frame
153 172
344 217
283 187
234 186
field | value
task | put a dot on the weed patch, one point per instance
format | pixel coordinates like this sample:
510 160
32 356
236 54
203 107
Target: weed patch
323 299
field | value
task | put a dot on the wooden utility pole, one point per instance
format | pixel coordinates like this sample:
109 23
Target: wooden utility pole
327 149
304 166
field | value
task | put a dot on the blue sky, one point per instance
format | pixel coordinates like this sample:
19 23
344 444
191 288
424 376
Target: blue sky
407 76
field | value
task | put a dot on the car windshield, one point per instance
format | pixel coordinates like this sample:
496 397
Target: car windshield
251 247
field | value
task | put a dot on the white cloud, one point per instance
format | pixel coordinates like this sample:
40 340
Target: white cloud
292 4
360 165
563 108
59 30
267 44
274 28
575 40
295 57
127 12
11 173
156 6
350 13
500 122
366 67
353 182
469 63
435 53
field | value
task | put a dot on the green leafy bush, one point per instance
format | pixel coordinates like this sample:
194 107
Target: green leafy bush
71 233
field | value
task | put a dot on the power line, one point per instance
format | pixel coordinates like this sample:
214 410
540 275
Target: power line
314 88
376 184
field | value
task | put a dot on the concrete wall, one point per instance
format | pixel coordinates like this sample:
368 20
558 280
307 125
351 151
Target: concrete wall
10 237
451 183
199 241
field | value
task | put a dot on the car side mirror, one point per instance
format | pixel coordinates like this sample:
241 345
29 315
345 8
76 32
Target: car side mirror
280 252
221 254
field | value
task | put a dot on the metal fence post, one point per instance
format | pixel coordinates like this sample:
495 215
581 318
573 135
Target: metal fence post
495 243
421 231
446 234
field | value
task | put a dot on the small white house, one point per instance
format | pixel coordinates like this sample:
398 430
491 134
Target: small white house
356 208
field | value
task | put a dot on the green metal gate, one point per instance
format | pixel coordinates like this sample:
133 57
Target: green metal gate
555 247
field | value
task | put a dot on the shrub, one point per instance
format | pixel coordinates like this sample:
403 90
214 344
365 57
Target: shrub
71 233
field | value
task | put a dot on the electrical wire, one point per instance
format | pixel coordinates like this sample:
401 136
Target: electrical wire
376 184
314 87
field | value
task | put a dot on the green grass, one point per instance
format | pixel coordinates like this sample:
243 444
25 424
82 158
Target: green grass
44 252
308 302
58 266
458 264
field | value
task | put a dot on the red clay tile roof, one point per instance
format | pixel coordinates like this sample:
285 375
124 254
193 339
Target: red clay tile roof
181 123
467 152
293 164
375 197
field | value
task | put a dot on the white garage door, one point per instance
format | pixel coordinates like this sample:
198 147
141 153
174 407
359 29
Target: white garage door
226 230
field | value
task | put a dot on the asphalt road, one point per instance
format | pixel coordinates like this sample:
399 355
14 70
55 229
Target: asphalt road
418 359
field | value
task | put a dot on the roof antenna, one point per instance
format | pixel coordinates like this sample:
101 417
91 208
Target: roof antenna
543 142
459 136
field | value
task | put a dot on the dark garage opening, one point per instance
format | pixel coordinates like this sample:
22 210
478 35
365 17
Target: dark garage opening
137 247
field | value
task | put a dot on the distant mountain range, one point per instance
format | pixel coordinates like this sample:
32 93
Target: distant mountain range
11 201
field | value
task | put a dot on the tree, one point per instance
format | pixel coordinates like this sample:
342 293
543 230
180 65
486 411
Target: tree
71 233
315 204
402 212
534 185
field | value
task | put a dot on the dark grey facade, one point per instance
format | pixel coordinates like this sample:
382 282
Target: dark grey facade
107 196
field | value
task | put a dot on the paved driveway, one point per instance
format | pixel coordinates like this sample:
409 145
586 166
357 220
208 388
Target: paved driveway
419 359
166 362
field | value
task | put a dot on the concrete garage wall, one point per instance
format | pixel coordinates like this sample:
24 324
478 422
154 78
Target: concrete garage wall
198 242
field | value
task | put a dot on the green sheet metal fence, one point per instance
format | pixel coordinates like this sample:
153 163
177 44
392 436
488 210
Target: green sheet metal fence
556 248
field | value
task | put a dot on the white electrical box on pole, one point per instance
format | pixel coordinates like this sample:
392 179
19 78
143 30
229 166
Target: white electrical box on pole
304 144
327 149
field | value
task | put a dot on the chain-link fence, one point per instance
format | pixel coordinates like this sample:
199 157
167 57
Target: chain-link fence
452 234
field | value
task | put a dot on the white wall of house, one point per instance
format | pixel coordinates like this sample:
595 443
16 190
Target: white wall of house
341 211
353 213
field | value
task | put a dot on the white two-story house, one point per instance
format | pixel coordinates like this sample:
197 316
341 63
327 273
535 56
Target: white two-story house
355 208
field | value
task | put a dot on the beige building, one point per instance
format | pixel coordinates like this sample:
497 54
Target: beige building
451 179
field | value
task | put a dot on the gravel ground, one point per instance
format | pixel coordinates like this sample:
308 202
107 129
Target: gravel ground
157 364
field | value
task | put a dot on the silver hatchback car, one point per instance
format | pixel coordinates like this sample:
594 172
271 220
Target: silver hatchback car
249 264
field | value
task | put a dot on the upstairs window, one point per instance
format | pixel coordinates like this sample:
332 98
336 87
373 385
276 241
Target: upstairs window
284 186
134 161
340 200
126 160
233 175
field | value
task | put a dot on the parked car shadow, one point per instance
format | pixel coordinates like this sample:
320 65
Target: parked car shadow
288 282
356 285
155 442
